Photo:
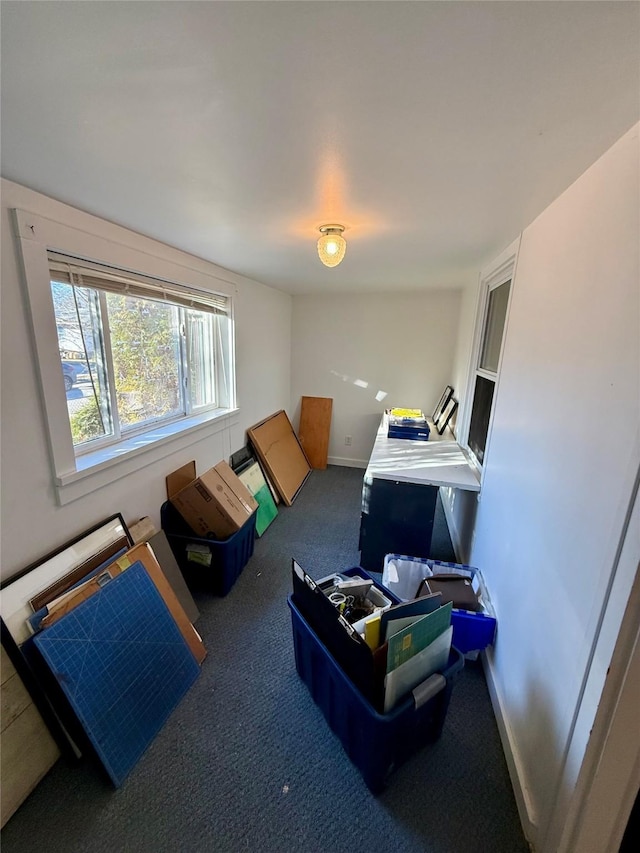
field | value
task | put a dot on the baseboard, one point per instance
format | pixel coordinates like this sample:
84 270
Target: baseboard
514 764
345 462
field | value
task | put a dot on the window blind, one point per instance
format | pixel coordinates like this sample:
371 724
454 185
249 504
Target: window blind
87 274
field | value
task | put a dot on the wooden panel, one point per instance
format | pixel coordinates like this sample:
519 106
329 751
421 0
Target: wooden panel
144 531
7 669
315 425
14 699
281 454
145 554
27 750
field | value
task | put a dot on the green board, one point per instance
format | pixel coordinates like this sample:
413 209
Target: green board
254 480
416 637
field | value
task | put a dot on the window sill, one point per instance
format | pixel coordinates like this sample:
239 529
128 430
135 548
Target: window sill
101 467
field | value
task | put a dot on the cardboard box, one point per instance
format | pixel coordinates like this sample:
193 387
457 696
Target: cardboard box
215 502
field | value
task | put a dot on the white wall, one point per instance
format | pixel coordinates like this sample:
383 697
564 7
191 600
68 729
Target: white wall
400 344
32 522
466 324
559 474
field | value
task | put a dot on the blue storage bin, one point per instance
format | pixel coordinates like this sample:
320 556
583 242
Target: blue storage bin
376 743
208 565
473 631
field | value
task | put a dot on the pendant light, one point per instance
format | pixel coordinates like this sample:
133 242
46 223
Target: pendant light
331 245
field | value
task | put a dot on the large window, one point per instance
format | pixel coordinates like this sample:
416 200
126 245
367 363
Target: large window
134 348
491 323
135 353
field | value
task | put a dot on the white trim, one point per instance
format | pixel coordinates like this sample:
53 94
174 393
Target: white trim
77 484
464 418
345 462
75 477
593 817
598 819
498 272
33 226
486 374
526 811
108 457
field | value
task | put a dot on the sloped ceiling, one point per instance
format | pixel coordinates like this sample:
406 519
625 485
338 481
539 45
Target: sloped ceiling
434 131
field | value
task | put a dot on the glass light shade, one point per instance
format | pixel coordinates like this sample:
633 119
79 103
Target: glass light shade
331 246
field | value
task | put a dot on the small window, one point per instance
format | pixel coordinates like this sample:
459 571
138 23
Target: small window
135 353
486 371
496 315
480 414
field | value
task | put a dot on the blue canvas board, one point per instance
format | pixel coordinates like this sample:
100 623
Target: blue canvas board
123 664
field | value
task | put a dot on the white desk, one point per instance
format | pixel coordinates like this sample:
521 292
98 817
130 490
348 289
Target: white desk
437 462
400 491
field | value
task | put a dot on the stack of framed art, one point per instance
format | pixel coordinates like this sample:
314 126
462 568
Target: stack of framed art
247 468
101 641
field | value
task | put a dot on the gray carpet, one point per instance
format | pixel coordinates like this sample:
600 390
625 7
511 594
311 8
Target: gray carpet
247 761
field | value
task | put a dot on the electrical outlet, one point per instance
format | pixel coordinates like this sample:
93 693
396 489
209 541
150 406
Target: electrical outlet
347 440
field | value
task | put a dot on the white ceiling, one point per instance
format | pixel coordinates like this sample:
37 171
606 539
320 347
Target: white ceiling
434 131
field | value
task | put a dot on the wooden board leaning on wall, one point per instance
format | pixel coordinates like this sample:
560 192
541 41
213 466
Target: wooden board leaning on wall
315 425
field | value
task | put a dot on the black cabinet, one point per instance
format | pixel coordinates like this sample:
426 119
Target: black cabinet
397 518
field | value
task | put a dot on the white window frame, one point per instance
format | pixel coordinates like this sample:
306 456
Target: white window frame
76 475
163 292
500 271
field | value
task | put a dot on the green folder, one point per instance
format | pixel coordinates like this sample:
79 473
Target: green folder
417 636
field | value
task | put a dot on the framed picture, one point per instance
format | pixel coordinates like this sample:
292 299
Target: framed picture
18 592
447 413
442 402
243 459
